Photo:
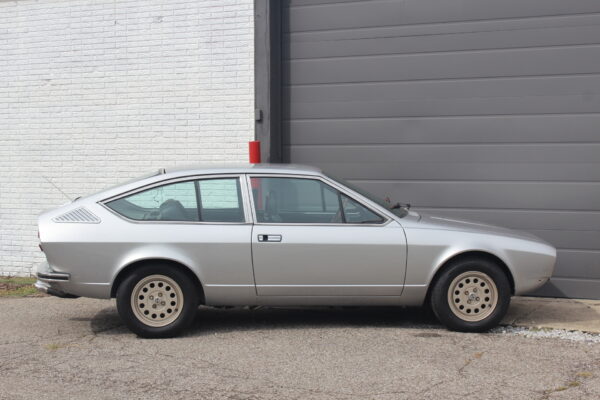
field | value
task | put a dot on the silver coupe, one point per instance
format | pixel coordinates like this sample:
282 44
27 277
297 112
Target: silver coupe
277 235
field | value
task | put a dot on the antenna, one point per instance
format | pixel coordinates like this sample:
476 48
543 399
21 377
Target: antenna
57 188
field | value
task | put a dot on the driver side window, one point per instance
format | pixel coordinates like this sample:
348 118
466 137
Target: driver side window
307 201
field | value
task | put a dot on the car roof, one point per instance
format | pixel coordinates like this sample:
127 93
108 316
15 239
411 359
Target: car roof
165 174
242 168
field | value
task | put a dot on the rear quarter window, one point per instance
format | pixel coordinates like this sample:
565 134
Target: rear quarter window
204 200
173 202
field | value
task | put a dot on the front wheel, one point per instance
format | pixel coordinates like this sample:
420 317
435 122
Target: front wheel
471 295
157 301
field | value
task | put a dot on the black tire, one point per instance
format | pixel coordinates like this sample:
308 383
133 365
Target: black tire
187 290
475 271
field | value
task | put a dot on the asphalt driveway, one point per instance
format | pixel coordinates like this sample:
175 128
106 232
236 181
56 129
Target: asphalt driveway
58 348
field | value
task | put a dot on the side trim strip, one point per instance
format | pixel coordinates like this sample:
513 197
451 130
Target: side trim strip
321 286
234 285
245 285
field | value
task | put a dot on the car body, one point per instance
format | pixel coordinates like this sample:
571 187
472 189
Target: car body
270 235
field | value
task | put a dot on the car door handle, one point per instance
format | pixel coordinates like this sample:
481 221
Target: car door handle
269 238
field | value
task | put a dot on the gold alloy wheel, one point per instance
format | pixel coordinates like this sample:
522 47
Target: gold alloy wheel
472 296
157 300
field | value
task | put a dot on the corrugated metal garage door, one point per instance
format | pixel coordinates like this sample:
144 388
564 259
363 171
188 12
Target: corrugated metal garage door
481 109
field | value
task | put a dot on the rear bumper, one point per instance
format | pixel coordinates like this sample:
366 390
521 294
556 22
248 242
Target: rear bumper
63 284
45 287
51 282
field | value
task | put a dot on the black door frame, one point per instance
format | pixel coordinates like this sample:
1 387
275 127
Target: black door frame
267 78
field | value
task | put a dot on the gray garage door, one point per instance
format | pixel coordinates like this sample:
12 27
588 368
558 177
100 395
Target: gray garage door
481 109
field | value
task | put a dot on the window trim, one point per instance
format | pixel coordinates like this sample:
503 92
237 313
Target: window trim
245 202
337 186
360 204
198 199
341 207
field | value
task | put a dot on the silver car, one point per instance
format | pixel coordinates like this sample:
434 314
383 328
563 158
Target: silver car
277 235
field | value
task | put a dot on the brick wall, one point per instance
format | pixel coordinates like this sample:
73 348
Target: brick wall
96 92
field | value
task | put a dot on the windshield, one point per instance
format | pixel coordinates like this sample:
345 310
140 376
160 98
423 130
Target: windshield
387 204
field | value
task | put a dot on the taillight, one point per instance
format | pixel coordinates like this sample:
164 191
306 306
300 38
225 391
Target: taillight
40 244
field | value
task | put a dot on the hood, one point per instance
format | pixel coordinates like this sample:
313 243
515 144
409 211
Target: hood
425 221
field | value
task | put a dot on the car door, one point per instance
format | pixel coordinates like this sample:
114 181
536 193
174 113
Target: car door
311 239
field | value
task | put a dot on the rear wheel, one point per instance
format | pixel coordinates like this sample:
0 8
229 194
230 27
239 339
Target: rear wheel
157 301
471 295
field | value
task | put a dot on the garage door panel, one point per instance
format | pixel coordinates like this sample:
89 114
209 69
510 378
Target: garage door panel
441 153
572 240
301 3
553 86
580 21
578 288
468 130
346 15
371 44
507 195
545 172
444 107
454 65
578 264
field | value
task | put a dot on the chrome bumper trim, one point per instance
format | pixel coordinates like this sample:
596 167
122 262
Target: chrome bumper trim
41 286
53 276
46 288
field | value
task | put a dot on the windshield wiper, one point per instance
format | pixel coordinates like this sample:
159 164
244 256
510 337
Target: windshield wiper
400 205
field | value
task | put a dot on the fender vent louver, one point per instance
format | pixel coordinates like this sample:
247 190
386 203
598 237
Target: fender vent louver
79 215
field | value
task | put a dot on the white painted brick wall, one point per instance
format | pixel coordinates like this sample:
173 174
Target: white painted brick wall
93 92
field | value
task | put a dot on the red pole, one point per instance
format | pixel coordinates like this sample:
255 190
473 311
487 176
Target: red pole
254 149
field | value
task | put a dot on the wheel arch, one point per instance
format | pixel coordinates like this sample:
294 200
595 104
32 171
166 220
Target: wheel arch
469 254
123 272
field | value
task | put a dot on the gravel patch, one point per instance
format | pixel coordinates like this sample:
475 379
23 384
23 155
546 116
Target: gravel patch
543 333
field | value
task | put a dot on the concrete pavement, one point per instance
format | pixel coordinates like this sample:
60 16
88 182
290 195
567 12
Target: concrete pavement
58 348
569 314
